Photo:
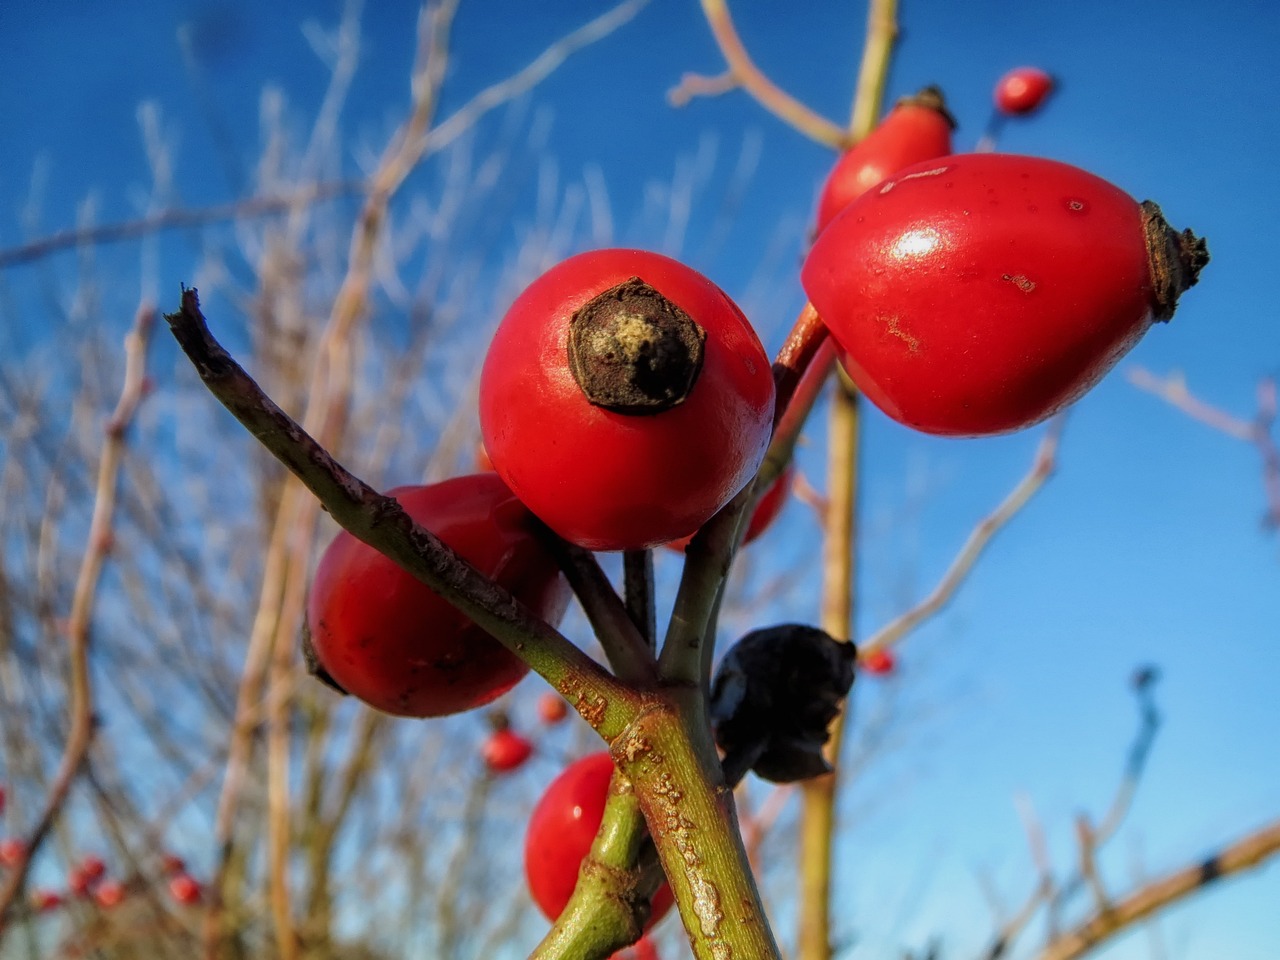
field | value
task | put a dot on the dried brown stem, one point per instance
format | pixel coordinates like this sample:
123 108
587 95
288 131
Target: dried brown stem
1249 851
78 627
750 77
981 536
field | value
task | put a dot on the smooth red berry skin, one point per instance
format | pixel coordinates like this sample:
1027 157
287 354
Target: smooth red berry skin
561 830
767 509
388 639
619 481
642 949
552 709
911 132
979 294
505 751
879 662
1022 90
184 889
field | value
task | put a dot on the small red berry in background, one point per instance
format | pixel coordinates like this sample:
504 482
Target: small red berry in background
917 128
552 709
172 863
625 399
93 867
767 509
11 851
1023 90
385 637
79 882
45 900
561 830
184 889
109 893
880 661
1039 275
506 750
3 797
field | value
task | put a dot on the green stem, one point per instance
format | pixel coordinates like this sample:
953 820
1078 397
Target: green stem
668 755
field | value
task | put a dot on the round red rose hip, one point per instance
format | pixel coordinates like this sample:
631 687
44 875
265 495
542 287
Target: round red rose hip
625 399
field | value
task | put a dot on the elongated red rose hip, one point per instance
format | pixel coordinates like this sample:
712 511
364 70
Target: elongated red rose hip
981 293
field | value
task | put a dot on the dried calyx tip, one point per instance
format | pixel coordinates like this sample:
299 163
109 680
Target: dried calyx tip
932 98
1176 259
633 351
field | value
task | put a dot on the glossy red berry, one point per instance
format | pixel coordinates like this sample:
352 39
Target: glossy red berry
388 639
561 829
767 509
981 293
880 661
109 893
625 399
917 128
1022 90
185 889
552 708
11 851
505 750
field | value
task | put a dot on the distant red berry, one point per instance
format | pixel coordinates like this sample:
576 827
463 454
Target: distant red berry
918 128
552 708
79 882
45 900
1022 90
93 867
11 851
109 894
3 798
506 750
184 889
171 863
880 661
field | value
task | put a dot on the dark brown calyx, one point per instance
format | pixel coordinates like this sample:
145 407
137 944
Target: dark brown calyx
1176 259
633 351
930 98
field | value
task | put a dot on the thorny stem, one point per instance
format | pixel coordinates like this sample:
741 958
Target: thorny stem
380 522
79 684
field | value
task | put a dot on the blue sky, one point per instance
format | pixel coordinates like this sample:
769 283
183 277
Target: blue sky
1146 547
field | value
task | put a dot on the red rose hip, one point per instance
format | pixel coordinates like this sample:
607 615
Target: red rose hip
917 128
561 829
389 639
1022 90
981 293
625 399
